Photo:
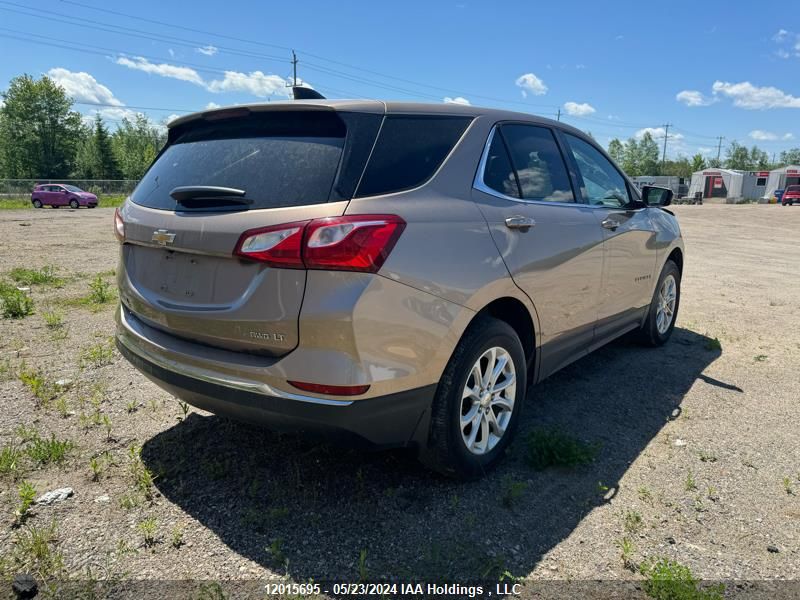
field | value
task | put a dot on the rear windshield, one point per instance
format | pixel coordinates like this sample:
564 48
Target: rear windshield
278 161
793 188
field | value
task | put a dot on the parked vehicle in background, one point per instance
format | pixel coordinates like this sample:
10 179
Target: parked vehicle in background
778 195
61 194
791 195
394 274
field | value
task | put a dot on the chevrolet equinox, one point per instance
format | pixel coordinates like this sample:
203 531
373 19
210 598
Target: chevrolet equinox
394 274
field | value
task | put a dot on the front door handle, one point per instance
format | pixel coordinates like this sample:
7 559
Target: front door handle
611 224
518 222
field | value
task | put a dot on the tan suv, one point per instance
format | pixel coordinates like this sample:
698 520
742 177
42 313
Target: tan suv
393 274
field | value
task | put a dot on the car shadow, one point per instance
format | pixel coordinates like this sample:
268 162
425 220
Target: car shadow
318 512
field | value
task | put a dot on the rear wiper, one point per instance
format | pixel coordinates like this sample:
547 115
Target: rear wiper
212 193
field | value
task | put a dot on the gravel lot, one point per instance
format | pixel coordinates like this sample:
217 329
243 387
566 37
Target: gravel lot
698 461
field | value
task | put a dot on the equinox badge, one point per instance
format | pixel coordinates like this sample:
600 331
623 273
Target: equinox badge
162 237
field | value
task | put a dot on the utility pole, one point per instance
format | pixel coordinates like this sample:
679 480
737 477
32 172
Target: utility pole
558 116
719 146
666 135
294 68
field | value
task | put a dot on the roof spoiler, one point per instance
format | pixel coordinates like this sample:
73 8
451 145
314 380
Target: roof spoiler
304 93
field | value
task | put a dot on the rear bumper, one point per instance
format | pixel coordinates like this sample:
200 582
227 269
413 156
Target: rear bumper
396 420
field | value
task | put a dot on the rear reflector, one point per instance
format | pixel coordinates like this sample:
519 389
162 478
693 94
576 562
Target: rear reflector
119 226
331 390
349 243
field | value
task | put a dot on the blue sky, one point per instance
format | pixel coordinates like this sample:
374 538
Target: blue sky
708 68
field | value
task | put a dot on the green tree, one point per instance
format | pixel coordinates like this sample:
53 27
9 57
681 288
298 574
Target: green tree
737 157
790 157
630 158
95 157
759 159
681 167
648 155
616 151
698 162
39 130
136 143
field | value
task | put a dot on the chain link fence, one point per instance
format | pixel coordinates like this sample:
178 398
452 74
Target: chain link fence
16 188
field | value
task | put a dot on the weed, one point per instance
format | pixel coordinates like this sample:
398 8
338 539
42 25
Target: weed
141 475
633 521
42 388
276 551
184 409
97 467
26 434
131 406
16 303
34 552
129 501
99 290
27 496
707 456
53 319
512 491
44 276
627 549
148 529
787 485
97 355
690 484
46 451
713 344
669 580
454 501
9 460
6 370
107 425
645 495
363 575
760 357
546 448
176 537
62 406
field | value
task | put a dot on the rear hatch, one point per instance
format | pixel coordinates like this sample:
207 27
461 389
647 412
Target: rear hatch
179 272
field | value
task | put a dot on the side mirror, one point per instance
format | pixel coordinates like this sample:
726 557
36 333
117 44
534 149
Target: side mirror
656 196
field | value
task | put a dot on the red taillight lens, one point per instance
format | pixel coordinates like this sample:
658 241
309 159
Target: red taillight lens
350 243
278 246
331 390
119 226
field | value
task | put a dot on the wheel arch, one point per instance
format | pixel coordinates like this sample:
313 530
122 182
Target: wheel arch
676 256
516 314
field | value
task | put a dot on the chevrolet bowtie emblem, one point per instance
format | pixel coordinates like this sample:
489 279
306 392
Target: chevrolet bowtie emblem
162 237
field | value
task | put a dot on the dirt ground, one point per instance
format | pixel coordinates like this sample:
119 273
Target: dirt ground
698 461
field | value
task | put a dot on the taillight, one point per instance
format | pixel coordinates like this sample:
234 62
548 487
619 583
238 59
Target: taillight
349 243
119 226
278 246
331 390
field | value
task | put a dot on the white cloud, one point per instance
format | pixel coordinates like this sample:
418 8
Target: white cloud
705 150
657 133
579 110
781 53
82 87
162 69
212 105
531 83
207 50
255 82
456 100
760 134
787 136
747 95
694 98
780 35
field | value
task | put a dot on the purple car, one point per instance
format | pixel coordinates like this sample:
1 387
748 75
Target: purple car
61 194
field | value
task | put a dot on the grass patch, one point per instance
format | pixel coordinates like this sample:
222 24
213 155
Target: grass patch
27 496
44 276
53 319
45 451
10 457
633 521
670 580
33 551
98 355
16 303
100 291
42 388
512 491
626 550
148 528
554 448
142 477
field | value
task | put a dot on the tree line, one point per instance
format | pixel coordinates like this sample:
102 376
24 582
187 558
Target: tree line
42 136
642 157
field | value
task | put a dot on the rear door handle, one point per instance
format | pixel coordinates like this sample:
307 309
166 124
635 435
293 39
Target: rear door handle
610 224
518 222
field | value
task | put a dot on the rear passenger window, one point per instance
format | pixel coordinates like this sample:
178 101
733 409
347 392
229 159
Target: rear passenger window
540 168
498 173
408 151
603 185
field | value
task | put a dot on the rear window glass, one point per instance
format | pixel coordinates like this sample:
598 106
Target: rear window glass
277 166
793 188
408 151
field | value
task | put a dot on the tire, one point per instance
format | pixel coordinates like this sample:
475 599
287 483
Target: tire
651 332
74 203
447 450
37 203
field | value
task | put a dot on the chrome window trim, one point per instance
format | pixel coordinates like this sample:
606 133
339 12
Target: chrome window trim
479 184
